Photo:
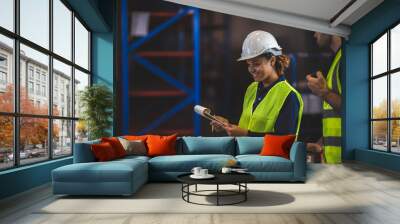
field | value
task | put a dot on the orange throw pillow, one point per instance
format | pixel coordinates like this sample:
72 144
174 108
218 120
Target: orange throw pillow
116 145
103 152
161 145
277 145
135 137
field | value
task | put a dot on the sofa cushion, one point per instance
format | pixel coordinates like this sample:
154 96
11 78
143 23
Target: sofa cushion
257 163
161 145
277 145
185 163
208 145
132 158
116 145
134 147
249 145
135 137
112 171
103 152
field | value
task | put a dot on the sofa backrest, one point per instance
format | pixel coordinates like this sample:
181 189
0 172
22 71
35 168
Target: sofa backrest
190 146
83 152
206 145
249 145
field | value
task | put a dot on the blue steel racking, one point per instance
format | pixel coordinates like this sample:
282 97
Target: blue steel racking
129 51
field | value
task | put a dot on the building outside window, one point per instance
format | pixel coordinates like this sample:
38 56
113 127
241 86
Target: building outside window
30 87
43 77
3 78
3 72
37 75
30 72
38 89
43 90
385 95
3 60
58 133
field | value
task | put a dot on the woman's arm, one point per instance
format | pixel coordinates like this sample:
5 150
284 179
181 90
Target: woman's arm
286 123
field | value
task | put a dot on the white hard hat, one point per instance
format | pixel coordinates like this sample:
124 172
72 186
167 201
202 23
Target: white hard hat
257 43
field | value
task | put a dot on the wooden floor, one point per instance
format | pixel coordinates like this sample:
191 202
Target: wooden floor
377 188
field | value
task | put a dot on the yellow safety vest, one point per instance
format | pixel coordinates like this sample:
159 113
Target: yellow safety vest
264 116
332 121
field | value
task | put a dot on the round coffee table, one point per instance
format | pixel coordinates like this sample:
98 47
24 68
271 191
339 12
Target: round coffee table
238 179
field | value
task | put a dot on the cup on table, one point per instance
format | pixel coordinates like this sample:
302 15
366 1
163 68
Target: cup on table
226 170
203 172
196 171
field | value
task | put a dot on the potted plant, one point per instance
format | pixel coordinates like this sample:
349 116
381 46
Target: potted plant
96 104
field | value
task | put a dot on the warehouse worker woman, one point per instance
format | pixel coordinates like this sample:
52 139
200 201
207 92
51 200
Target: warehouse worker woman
271 105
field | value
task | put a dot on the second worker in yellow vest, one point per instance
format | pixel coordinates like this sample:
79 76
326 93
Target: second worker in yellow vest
330 90
268 95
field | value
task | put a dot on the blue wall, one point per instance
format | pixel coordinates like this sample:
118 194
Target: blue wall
102 59
356 113
24 178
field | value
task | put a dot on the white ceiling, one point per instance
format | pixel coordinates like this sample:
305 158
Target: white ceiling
315 15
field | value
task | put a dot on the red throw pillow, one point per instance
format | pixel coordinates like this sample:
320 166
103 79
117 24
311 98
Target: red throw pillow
161 145
103 151
116 145
277 145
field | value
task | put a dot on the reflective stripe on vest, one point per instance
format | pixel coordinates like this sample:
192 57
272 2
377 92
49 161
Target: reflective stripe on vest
332 121
264 116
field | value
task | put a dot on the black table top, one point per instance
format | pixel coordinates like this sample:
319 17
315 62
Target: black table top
220 178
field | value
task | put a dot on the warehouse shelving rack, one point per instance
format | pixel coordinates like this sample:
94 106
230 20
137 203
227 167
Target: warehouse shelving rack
131 51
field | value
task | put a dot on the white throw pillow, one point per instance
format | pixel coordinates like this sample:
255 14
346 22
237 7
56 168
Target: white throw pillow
135 147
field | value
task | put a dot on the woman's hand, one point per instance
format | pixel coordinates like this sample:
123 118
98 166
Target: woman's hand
234 130
215 126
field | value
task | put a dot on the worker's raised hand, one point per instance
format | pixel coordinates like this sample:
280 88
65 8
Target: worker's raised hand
234 130
215 126
317 84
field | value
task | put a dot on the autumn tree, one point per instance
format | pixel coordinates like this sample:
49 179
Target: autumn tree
380 127
33 131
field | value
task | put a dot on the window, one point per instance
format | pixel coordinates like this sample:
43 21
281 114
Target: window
47 74
34 21
62 74
3 72
6 143
7 14
44 91
3 61
37 75
62 29
385 96
3 78
62 137
38 89
7 72
30 72
81 81
30 87
81 45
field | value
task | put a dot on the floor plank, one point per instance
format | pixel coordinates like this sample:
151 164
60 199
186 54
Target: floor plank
377 190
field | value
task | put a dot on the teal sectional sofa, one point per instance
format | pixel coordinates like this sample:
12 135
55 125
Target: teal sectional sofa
125 176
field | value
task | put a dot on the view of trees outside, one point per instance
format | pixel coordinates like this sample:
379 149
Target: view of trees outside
34 81
33 131
379 128
389 125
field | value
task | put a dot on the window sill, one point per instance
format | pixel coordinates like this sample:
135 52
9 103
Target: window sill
26 167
